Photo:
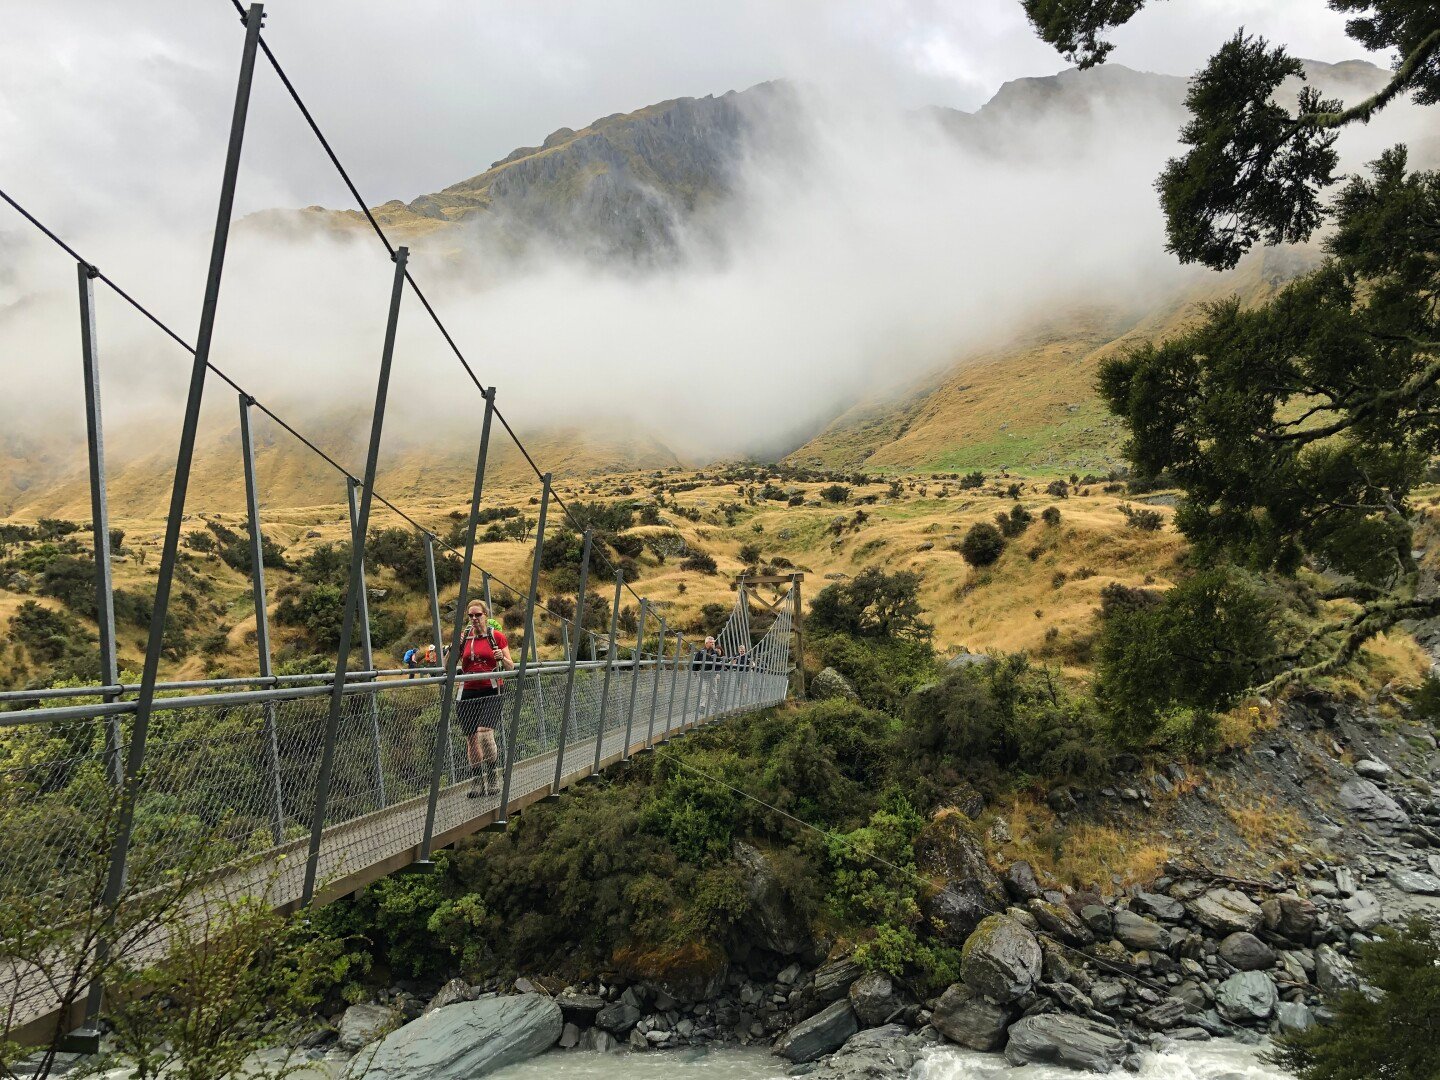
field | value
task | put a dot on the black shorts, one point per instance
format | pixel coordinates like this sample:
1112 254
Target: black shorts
479 711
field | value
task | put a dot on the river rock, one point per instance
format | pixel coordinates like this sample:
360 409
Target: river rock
874 999
1246 952
963 1016
1168 1014
1294 1017
1371 769
1107 995
1333 972
464 1041
829 683
1071 1041
453 992
363 1024
1224 911
1413 881
950 848
773 921
1165 908
1059 920
956 910
821 1034
881 1053
1289 915
1001 959
1246 997
1140 934
1368 803
1020 882
617 1018
1098 918
834 978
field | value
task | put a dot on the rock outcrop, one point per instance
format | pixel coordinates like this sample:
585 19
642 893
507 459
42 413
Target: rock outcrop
464 1040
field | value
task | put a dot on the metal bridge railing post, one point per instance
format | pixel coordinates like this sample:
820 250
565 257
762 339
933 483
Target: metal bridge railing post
609 671
572 649
634 678
694 717
356 589
367 654
262 620
451 660
99 516
438 636
170 552
655 685
510 743
674 682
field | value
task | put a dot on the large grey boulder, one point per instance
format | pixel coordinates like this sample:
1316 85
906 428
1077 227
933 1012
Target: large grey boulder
1224 911
1413 881
362 1024
829 683
1290 916
1246 952
617 1018
964 1016
773 921
1246 997
1294 1017
1158 905
949 847
1001 959
1072 1041
464 1041
834 978
881 1053
1020 882
821 1034
1368 803
1333 972
579 1009
956 910
1139 934
874 999
1059 920
1371 769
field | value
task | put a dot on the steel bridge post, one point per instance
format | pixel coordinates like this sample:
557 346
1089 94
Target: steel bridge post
689 682
451 660
135 757
437 634
356 589
634 678
99 516
609 670
655 686
367 654
511 742
572 649
674 682
262 620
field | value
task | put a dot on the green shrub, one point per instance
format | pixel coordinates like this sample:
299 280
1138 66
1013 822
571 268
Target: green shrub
700 562
971 481
1195 650
1051 516
882 671
1392 1034
750 554
1014 523
983 544
835 493
50 636
1141 519
1425 700
873 604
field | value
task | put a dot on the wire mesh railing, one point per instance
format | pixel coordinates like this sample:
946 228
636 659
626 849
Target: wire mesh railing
229 787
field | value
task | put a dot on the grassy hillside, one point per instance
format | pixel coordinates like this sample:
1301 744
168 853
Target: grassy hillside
1029 404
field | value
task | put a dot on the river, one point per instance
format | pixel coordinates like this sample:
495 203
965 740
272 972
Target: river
1219 1060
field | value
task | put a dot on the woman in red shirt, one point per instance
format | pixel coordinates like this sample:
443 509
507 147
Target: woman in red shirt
484 649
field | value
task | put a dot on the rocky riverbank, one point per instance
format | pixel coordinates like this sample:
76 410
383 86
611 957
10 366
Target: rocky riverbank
1050 974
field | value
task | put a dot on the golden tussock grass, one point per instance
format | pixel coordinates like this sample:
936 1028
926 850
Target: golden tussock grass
1079 855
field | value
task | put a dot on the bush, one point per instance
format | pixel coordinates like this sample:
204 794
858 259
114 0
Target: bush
50 636
835 493
628 547
750 554
700 562
1014 523
1141 519
882 671
971 481
1050 516
1058 488
873 604
1394 1033
982 545
1197 649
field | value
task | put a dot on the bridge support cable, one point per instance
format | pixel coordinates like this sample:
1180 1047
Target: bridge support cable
529 629
356 588
457 638
262 618
135 758
362 615
572 650
99 515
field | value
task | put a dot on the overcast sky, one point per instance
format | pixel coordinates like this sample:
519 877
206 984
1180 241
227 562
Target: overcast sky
105 105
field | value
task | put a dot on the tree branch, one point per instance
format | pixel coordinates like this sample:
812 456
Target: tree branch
1377 101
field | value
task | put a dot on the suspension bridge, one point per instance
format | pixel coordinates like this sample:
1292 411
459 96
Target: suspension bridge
157 797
